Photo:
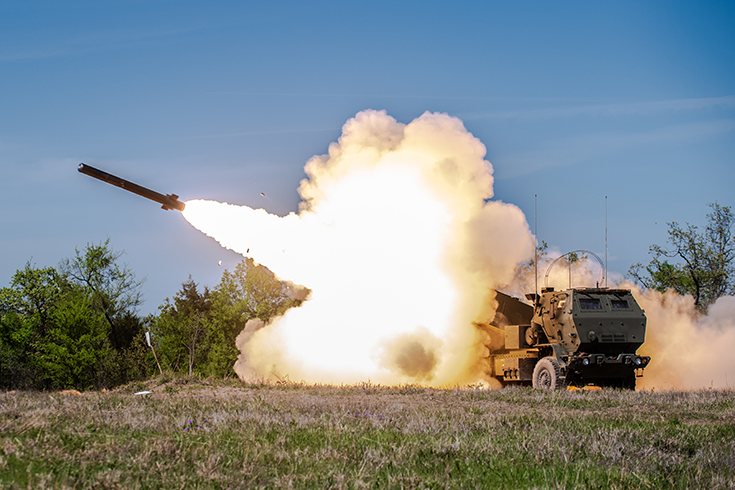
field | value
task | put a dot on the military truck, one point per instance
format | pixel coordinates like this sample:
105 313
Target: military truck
573 337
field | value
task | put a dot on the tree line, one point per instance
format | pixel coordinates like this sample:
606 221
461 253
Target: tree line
77 325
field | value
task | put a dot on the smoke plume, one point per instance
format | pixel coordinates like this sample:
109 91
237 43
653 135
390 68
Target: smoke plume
400 244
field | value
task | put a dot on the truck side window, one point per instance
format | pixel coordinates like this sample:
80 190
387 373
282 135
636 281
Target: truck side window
590 303
619 304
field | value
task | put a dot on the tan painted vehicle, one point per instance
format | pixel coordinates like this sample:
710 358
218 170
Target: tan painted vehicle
574 337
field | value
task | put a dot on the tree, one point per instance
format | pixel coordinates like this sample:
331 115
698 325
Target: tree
74 352
181 327
26 318
113 292
256 290
74 327
16 355
112 289
32 293
703 263
250 291
196 331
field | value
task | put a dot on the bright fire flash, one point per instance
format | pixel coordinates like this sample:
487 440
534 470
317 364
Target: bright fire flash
400 246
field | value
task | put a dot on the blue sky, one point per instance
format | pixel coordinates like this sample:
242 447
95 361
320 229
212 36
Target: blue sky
575 101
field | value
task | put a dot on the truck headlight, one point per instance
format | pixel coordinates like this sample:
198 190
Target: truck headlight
586 361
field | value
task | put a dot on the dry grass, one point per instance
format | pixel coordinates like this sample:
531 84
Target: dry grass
193 433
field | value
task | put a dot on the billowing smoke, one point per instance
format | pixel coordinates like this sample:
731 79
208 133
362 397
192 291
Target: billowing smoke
688 350
559 272
400 245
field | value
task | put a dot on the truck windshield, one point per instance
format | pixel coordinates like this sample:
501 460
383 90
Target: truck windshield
590 303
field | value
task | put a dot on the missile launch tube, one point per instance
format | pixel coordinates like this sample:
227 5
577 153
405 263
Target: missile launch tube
170 201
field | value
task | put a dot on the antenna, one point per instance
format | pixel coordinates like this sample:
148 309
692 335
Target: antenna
605 241
535 249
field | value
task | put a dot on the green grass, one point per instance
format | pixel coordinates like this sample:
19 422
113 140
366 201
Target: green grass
195 433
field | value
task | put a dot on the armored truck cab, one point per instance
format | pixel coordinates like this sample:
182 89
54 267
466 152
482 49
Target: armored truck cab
572 337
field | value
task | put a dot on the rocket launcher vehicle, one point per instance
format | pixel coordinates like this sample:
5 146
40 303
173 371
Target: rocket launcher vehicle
169 201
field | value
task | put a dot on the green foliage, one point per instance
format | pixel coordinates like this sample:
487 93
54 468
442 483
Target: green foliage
196 332
111 289
180 328
33 293
112 295
77 326
28 309
704 261
16 366
73 327
75 343
255 291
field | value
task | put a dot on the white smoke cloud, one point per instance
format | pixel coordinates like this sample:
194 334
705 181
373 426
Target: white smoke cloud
400 246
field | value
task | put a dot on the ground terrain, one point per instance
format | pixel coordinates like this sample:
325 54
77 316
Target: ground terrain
206 433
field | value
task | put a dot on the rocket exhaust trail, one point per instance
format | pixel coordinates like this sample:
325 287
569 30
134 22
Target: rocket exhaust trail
170 201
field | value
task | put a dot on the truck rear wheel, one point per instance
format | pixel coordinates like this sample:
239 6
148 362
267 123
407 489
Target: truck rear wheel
546 374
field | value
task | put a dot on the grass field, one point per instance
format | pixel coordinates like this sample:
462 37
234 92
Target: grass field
203 433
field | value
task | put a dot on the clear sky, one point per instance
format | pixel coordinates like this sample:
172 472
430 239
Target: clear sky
575 101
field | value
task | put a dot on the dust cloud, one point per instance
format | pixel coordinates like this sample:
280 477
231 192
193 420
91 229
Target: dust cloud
688 350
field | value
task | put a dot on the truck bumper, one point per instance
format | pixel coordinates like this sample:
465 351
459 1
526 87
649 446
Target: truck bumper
601 366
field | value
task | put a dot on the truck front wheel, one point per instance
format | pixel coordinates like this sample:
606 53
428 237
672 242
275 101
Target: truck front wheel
546 374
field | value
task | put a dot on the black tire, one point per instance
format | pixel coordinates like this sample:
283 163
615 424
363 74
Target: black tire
547 375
